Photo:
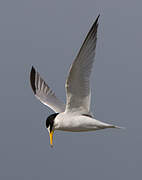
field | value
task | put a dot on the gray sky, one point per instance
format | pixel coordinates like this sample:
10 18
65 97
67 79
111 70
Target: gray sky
48 35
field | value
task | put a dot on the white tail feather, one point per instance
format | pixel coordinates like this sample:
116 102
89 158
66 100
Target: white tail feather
118 127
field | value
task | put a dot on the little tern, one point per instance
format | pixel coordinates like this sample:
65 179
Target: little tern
75 116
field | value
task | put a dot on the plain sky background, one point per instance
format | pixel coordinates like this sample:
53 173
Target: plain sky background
48 35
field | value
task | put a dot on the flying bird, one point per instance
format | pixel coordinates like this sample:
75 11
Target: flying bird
75 115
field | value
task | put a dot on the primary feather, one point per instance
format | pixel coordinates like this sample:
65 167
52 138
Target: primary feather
43 92
78 92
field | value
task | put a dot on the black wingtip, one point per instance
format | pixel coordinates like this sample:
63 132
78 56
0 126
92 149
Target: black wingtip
95 25
96 22
98 16
32 79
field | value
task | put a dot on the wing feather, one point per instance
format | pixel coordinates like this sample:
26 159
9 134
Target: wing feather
43 92
78 92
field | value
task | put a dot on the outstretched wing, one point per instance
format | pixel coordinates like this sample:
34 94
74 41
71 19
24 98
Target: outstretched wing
78 85
43 92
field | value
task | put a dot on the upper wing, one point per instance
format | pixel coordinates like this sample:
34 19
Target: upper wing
43 92
78 85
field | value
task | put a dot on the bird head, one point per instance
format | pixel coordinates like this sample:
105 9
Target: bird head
50 126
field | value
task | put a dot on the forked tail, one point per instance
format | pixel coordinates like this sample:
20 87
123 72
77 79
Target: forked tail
118 127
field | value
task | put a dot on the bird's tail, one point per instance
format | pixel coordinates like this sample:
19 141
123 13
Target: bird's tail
117 127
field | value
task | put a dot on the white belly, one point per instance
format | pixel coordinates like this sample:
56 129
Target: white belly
77 123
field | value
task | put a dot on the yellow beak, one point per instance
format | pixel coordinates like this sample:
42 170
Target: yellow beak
51 138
